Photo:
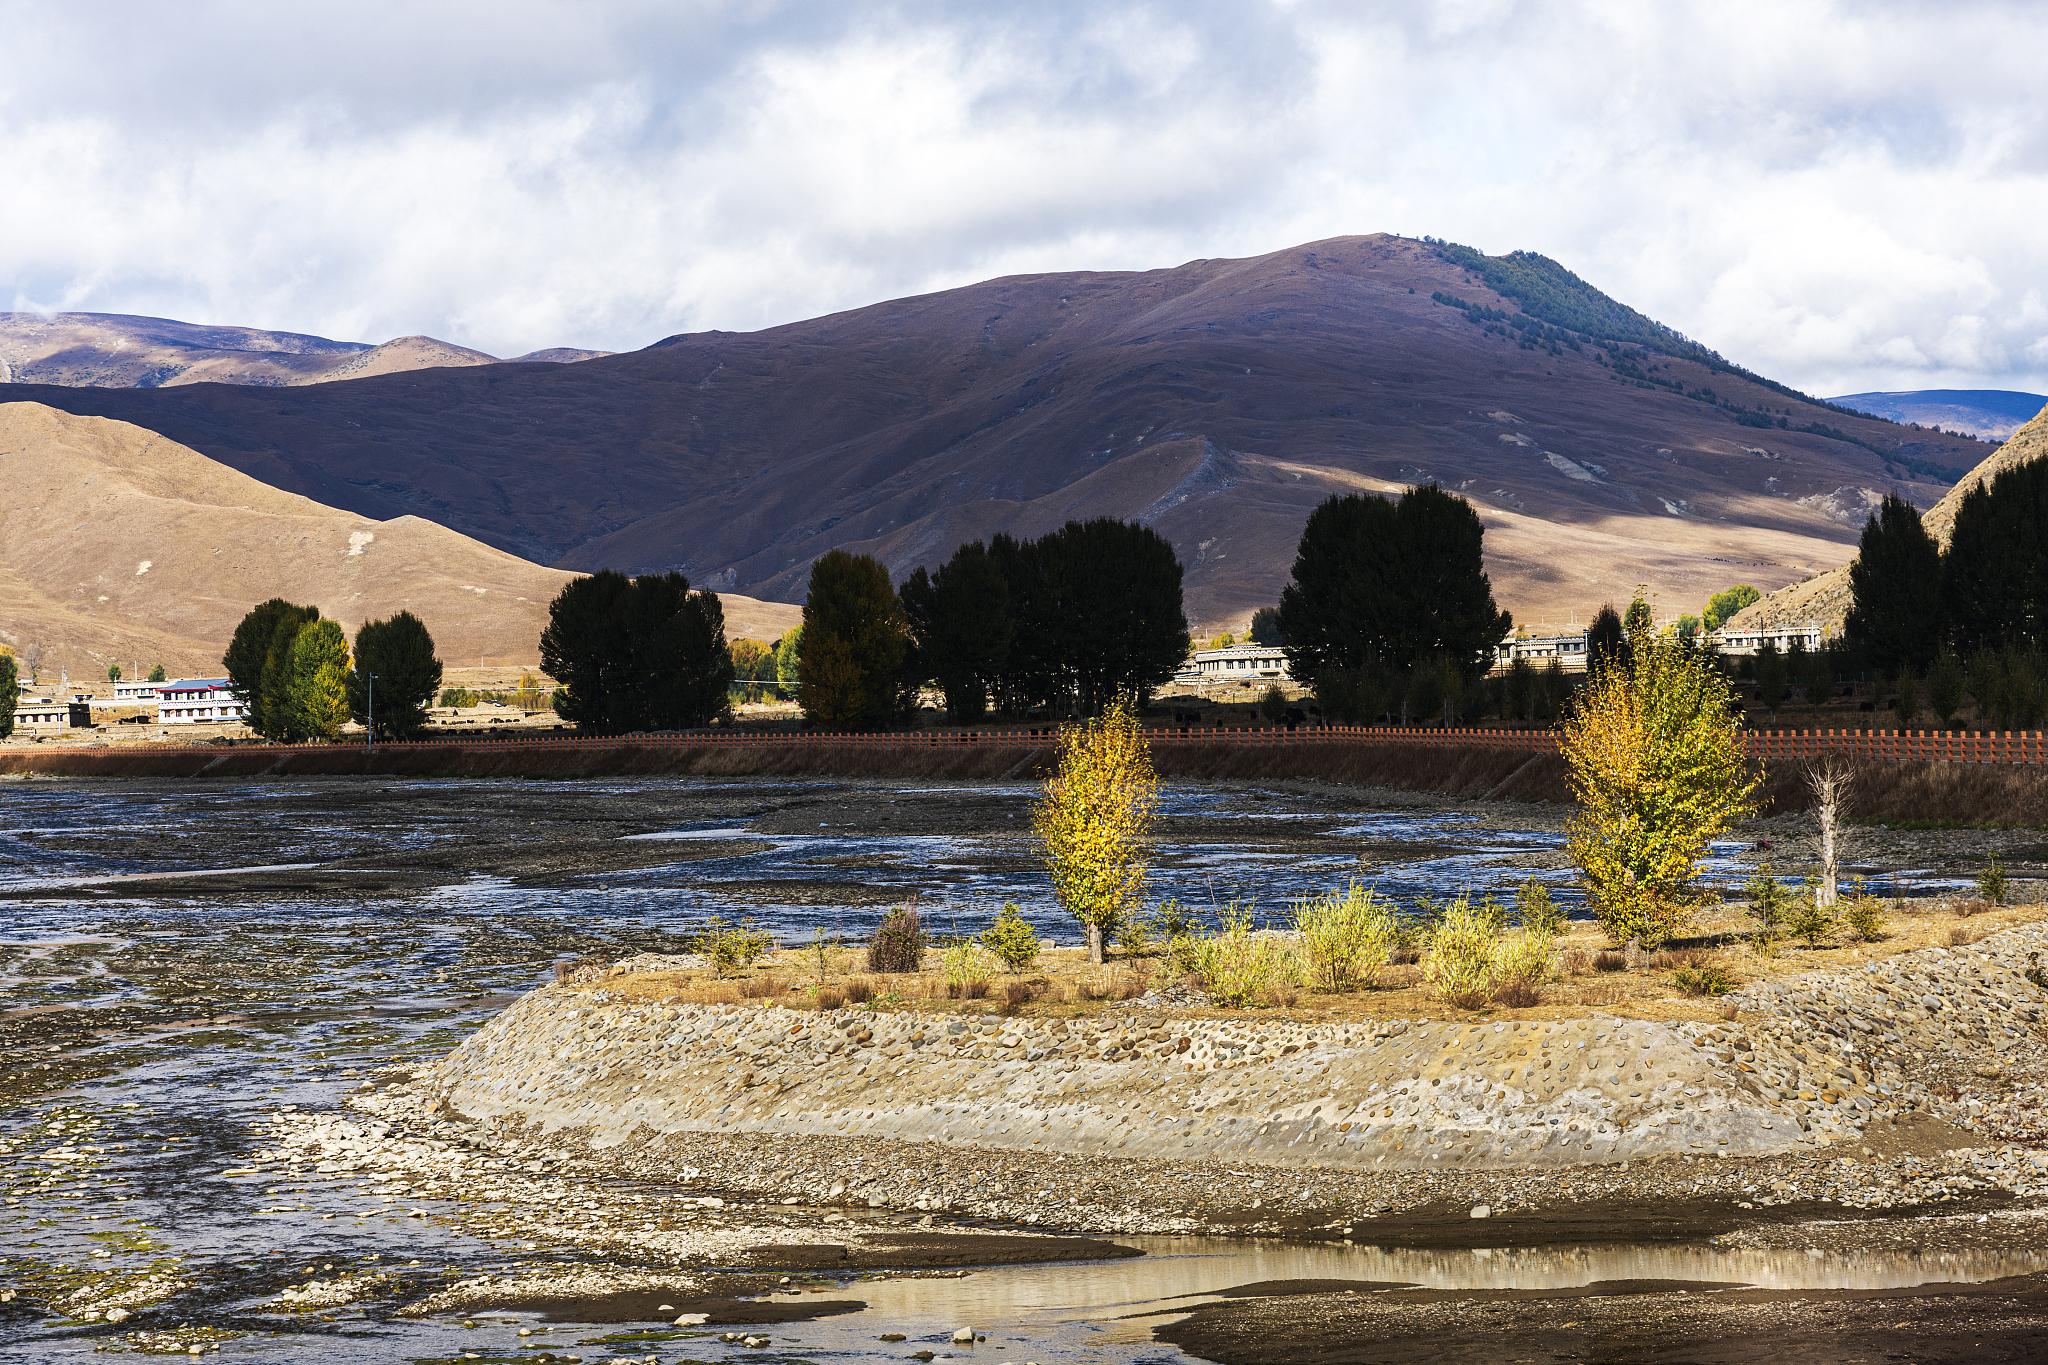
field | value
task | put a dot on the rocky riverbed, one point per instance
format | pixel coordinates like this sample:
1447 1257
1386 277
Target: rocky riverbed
217 1000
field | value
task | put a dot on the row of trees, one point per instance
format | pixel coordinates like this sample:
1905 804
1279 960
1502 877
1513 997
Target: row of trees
1911 599
298 679
644 653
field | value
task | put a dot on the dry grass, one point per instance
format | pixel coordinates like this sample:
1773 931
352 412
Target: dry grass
1593 977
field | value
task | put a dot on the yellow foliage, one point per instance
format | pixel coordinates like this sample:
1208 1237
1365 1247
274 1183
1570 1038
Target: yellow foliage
1654 752
1095 820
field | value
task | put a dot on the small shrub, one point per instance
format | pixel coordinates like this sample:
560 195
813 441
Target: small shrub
899 943
1346 939
1459 966
858 992
1574 962
1767 908
1864 918
1610 960
1961 935
1134 934
1810 922
821 954
966 965
1012 939
1173 920
830 1000
1991 882
733 948
1273 705
1536 910
1523 964
1184 955
760 988
1703 979
1241 966
1017 994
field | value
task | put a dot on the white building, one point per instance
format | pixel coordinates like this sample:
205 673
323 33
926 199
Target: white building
42 713
129 693
1729 640
1241 663
1539 651
199 701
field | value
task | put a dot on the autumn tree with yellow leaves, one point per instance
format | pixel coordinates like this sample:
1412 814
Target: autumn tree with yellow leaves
1095 820
1653 749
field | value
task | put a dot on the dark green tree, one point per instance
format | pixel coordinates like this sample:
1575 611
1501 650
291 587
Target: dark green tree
399 652
1381 588
635 654
250 651
157 674
1265 627
1945 687
1606 641
855 650
10 693
1994 581
1895 606
1122 628
961 623
1772 677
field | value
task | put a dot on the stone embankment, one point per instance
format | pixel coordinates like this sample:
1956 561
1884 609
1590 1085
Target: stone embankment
1959 1034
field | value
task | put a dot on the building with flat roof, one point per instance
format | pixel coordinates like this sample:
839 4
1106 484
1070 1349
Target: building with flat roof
1239 663
199 701
1751 640
46 714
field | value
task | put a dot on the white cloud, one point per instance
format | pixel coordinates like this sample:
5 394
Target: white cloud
1840 195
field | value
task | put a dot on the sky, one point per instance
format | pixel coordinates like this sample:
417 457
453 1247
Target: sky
1839 196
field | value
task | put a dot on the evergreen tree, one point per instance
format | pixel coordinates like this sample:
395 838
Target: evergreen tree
1895 591
1381 588
280 713
1771 677
399 653
962 624
856 644
157 674
1265 627
633 654
10 693
1994 580
250 651
1606 641
1123 631
1945 685
316 681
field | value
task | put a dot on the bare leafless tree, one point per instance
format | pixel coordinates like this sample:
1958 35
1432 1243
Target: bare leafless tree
1829 780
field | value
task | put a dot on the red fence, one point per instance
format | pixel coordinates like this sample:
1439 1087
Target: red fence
1934 746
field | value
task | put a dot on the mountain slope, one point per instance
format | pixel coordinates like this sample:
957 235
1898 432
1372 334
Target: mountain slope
1994 414
1220 400
1825 597
117 545
117 350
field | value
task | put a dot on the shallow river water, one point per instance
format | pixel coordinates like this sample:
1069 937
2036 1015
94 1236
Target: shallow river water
180 964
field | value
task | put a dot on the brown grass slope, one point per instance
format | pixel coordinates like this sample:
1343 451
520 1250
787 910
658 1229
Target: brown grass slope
116 350
1220 401
119 546
1825 597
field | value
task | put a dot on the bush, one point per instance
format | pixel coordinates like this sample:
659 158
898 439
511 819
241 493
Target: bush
966 965
1524 962
1459 965
1864 918
899 943
1810 922
1173 920
1134 934
1346 938
1703 979
1273 705
1536 910
1239 965
732 948
1012 939
1991 882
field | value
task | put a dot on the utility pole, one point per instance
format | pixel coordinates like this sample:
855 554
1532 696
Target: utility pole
370 730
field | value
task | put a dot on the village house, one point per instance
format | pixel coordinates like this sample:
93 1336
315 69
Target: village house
1240 663
199 701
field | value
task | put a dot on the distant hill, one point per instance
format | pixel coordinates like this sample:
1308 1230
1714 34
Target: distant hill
115 350
1993 414
1825 597
119 546
1219 401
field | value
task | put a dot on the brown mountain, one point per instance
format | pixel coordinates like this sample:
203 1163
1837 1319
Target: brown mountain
1824 598
115 350
119 546
1220 401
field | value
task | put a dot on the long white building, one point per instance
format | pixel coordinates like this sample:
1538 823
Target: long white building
199 701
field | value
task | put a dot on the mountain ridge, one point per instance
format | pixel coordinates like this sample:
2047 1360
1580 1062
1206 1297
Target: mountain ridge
1221 399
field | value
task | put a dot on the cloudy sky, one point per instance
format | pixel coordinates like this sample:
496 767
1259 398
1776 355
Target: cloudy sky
1843 196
